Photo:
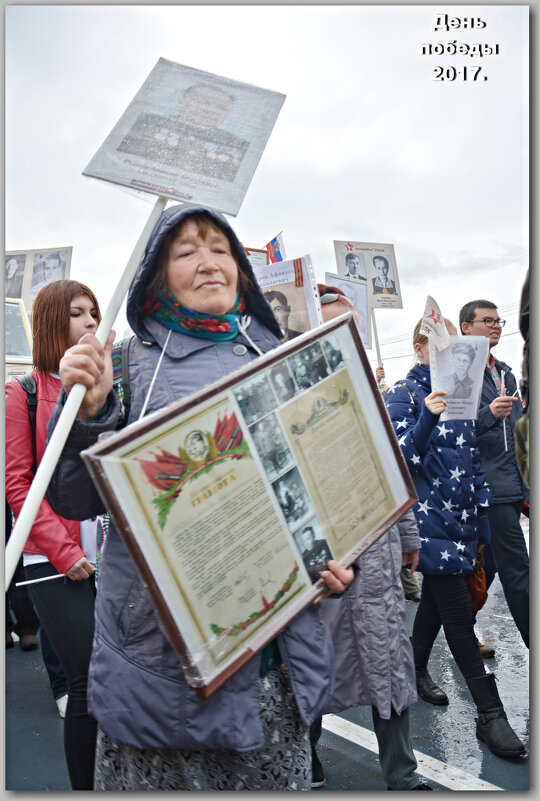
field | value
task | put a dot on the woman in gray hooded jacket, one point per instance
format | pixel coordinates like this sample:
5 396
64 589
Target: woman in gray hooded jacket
193 285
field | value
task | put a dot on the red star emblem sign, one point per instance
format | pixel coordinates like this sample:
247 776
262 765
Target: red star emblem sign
434 316
348 246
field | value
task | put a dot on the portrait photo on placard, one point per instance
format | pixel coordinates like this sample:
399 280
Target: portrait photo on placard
192 135
308 366
271 446
382 275
283 382
374 264
293 499
14 275
255 398
459 370
333 354
353 266
314 548
47 266
289 306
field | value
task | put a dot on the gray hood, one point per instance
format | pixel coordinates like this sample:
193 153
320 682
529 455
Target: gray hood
256 304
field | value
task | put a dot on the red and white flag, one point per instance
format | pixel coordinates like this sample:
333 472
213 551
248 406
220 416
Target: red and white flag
433 325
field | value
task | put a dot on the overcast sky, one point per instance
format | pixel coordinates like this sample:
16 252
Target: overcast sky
367 146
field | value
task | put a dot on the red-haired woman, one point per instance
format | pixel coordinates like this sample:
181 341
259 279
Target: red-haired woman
63 312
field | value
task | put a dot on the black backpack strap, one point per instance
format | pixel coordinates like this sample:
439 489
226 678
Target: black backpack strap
28 383
120 362
125 374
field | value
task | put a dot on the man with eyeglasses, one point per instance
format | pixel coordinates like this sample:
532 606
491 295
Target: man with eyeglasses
500 408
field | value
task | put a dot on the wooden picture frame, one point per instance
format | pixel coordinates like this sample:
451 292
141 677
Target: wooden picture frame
214 495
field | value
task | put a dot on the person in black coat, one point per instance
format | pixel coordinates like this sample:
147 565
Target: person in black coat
500 410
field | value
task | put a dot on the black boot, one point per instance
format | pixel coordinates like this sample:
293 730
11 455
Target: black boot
425 686
492 726
428 690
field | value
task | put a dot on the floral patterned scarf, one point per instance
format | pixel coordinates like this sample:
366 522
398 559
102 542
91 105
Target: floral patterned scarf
162 306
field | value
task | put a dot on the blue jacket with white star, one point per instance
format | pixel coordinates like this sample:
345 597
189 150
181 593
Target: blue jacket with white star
445 466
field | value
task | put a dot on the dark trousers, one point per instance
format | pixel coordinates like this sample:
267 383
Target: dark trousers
66 611
19 601
26 621
445 601
396 757
18 598
507 555
52 665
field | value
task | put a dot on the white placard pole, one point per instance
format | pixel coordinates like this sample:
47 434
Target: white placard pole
375 337
27 515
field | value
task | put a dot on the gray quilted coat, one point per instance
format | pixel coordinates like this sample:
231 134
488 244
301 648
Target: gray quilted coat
374 660
136 688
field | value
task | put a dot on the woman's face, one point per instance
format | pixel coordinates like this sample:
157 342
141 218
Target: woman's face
83 318
201 272
422 351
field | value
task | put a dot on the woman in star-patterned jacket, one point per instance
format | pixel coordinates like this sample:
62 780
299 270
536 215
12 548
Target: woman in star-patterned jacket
451 513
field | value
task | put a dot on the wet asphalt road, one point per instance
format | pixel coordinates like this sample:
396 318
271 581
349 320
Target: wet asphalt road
449 754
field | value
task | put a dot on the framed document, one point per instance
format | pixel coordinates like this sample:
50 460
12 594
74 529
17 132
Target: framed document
231 500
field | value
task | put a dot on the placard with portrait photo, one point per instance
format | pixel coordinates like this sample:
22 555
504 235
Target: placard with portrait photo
26 272
357 293
291 290
14 274
190 136
47 266
458 369
376 264
230 513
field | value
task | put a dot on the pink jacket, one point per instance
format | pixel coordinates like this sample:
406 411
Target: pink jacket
54 536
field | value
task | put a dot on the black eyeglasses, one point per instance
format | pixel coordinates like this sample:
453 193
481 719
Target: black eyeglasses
490 322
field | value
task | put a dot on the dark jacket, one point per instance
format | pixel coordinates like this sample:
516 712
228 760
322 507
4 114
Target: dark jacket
445 467
137 690
499 465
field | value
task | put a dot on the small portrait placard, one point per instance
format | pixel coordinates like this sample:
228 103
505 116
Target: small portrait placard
374 263
26 272
357 293
459 371
291 290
